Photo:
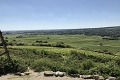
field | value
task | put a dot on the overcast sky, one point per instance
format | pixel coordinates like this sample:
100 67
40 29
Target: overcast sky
58 14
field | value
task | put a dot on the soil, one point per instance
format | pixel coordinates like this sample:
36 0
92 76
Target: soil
35 76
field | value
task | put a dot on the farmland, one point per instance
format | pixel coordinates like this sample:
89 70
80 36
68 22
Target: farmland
78 53
76 41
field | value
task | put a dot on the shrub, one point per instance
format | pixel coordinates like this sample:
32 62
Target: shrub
42 65
72 71
20 44
6 41
38 41
60 44
103 69
83 72
45 44
101 44
118 78
45 41
15 65
48 38
87 64
10 44
76 55
115 72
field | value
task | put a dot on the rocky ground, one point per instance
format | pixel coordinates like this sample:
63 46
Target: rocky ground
31 75
35 76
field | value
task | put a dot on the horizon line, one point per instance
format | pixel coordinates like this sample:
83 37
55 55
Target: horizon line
59 29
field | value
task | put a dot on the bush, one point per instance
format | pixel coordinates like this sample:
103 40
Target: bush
72 71
20 44
15 65
83 72
103 69
42 65
45 41
48 38
77 55
60 44
38 41
118 78
87 64
45 44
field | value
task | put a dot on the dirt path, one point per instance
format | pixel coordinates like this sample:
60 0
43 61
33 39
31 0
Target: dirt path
35 76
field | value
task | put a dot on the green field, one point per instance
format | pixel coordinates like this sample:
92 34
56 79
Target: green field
70 53
76 41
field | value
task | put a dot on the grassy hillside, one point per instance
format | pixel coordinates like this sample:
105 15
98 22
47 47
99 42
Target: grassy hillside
70 60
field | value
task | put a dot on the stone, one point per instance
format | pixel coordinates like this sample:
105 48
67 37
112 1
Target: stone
22 74
48 73
111 78
27 73
101 78
60 74
87 76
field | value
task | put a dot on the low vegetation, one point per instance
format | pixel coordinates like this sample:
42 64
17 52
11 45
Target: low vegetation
84 52
69 60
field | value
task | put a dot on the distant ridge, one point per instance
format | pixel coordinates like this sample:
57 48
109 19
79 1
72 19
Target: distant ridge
103 31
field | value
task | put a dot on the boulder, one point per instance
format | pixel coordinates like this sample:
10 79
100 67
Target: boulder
22 74
96 77
18 73
101 78
87 76
75 75
111 78
27 73
48 73
60 74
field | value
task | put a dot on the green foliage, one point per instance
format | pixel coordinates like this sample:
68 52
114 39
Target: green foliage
118 78
72 71
77 55
15 65
87 64
20 44
57 54
115 72
71 61
63 52
61 45
84 72
76 41
42 64
101 44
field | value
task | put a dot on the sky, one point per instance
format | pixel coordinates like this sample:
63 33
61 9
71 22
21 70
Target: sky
58 14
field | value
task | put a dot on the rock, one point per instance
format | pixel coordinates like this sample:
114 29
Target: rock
48 73
60 74
87 76
75 75
96 77
89 79
18 73
22 74
28 68
111 78
101 78
27 73
57 74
